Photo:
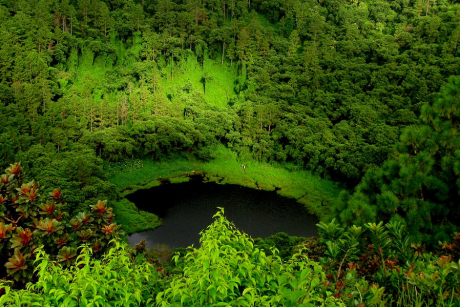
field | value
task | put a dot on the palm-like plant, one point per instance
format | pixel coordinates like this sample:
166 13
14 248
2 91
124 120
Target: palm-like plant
18 264
67 255
22 238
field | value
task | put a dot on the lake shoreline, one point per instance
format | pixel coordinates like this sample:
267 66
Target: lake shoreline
187 208
315 194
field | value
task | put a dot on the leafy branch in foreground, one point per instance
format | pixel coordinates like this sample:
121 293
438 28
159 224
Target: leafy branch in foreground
227 270
389 258
117 279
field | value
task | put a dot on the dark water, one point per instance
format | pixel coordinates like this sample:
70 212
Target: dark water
187 208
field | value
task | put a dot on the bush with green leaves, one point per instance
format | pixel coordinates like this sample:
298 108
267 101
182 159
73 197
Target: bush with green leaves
284 243
389 259
453 248
227 270
377 265
117 279
29 220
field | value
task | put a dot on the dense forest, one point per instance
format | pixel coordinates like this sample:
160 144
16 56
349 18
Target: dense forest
362 93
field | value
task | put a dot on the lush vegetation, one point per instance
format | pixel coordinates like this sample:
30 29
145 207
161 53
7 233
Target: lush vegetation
30 221
418 184
101 98
371 266
326 86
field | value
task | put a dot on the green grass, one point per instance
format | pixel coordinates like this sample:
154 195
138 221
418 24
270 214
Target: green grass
132 219
132 175
218 87
310 190
316 194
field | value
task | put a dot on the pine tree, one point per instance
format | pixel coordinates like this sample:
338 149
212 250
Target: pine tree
420 181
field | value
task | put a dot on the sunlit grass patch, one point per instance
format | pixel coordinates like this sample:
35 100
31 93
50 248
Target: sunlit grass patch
220 79
180 179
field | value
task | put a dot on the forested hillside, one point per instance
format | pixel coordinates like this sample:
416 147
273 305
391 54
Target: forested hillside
363 93
326 84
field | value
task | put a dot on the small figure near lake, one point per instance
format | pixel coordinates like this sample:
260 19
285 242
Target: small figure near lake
244 167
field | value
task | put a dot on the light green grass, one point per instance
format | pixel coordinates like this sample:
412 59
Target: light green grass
218 87
126 176
180 179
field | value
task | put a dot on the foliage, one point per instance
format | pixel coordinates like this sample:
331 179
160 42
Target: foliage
281 242
453 248
389 258
116 279
160 254
313 247
133 219
30 220
371 266
78 173
327 86
419 183
228 270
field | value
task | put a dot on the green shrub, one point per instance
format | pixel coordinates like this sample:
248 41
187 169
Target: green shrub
389 259
117 279
227 270
31 221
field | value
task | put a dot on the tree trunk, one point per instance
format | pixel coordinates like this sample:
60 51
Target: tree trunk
223 8
91 118
223 52
118 114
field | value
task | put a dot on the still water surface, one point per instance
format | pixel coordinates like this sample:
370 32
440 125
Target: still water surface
187 209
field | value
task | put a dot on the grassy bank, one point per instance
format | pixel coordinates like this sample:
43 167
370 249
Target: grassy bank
315 193
131 175
133 219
